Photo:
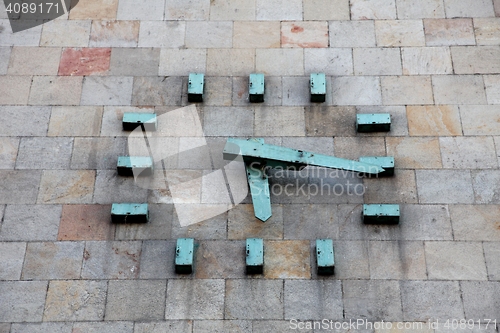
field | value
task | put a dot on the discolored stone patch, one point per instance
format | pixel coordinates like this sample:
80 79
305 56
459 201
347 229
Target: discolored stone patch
111 260
66 186
304 34
418 153
220 259
243 224
86 222
439 120
287 259
84 61
441 32
114 34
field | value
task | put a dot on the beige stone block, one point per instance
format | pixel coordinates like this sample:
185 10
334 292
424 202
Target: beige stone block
66 186
468 152
404 90
230 62
279 10
486 226
256 34
331 61
287 259
469 8
56 90
492 86
414 153
326 10
209 34
8 152
75 121
401 188
426 60
410 9
55 33
439 120
458 89
377 61
304 34
487 31
279 62
373 9
232 10
279 121
476 60
352 34
95 10
480 119
34 61
444 32
14 89
356 90
114 34
187 10
169 34
180 62
399 33
354 147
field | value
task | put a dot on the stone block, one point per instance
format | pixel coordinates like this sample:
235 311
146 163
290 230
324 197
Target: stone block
187 10
243 224
279 62
159 226
55 33
12 255
455 261
114 34
34 61
326 10
254 299
372 300
404 90
25 120
305 34
233 121
288 259
14 89
469 8
230 62
439 120
430 300
180 326
349 252
330 61
147 10
66 186
394 33
107 326
84 61
29 37
296 91
484 228
75 300
492 86
330 121
485 189
30 223
439 186
317 299
97 153
309 222
134 61
111 260
75 121
400 260
136 300
281 326
42 328
258 35
95 10
377 61
55 90
195 299
445 32
487 31
356 90
44 153
222 326
155 90
292 122
354 147
407 9
415 153
23 301
8 152
168 34
220 260
352 33
468 152
481 300
219 93
19 186
110 188
52 260
107 90
278 10
209 34
373 10
86 222
426 60
458 89
475 60
241 10
180 62
5 53
157 259
401 188
491 252
480 119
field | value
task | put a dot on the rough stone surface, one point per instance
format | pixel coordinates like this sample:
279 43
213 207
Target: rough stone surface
12 255
30 223
251 298
23 300
442 120
434 186
111 260
66 187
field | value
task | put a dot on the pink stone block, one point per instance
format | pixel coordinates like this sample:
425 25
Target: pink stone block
84 61
304 34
